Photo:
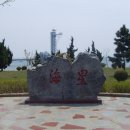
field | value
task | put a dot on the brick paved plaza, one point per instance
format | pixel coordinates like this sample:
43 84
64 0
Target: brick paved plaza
113 114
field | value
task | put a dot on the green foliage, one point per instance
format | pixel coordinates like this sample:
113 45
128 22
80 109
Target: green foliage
24 67
122 51
111 85
18 68
93 50
71 51
36 59
21 68
5 56
59 54
120 75
99 55
103 64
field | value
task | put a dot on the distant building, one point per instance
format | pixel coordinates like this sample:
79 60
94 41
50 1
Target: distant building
44 57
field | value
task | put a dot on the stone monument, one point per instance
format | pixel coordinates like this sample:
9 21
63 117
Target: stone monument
59 81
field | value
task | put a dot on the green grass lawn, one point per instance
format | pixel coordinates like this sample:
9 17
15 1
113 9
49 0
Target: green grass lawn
13 82
13 75
16 82
113 86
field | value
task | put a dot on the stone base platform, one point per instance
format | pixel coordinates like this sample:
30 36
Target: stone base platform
97 101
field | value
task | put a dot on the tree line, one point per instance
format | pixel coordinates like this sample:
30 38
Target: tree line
122 50
70 53
5 55
119 59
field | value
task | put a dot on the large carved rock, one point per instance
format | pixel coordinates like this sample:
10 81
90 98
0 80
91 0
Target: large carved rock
60 81
88 77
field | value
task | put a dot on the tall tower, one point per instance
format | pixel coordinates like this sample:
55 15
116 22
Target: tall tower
53 41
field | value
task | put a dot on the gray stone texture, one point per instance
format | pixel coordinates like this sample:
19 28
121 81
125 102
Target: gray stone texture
88 77
59 80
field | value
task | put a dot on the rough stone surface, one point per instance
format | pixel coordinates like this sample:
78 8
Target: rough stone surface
49 81
58 80
88 77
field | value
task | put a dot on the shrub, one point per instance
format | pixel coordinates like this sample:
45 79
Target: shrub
18 68
103 64
24 67
120 75
114 66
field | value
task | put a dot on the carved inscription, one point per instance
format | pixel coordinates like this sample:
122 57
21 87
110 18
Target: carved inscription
55 77
82 77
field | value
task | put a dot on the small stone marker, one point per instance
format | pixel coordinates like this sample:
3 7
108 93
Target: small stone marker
59 81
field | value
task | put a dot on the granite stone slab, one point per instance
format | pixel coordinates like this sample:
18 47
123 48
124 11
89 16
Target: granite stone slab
60 81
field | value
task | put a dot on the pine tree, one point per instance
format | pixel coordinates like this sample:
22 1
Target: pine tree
99 55
71 50
93 48
5 56
10 55
88 50
36 59
122 51
95 51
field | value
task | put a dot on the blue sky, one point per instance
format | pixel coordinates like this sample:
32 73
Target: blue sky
26 24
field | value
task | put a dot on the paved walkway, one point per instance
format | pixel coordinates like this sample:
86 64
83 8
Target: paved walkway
113 114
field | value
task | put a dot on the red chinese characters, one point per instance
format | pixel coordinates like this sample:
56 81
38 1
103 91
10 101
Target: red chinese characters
55 76
81 77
